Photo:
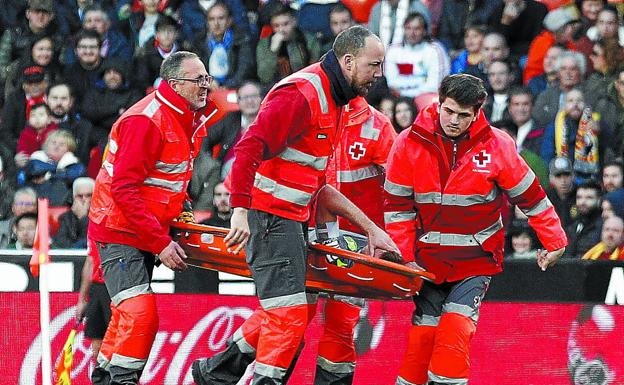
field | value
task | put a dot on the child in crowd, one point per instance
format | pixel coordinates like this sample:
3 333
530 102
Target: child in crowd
33 136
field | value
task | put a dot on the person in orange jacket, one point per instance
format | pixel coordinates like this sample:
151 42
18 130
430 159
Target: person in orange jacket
140 189
444 193
279 167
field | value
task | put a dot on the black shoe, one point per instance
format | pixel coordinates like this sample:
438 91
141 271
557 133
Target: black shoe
197 376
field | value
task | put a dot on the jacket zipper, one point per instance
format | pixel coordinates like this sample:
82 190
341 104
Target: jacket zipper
454 155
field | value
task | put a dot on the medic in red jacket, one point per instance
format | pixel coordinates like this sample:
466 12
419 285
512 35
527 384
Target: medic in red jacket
444 185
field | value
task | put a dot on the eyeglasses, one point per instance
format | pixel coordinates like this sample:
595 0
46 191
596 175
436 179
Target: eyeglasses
202 81
85 47
248 97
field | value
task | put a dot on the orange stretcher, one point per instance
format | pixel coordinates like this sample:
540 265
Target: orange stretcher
356 275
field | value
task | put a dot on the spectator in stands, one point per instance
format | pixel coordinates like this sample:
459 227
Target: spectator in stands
561 27
500 79
387 19
611 245
113 42
494 47
149 57
606 57
418 65
471 55
16 41
529 135
52 171
611 109
193 17
590 9
340 18
456 15
140 27
571 68
110 97
286 50
386 106
521 240
584 231
73 13
7 187
613 204
222 211
520 21
33 136
226 50
72 231
17 107
586 145
83 75
24 200
607 26
549 78
405 112
24 230
61 103
43 53
562 193
612 176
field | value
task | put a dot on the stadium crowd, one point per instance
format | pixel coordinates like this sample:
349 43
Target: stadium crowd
70 68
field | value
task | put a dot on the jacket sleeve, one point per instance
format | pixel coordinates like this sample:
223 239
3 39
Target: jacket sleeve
523 189
386 139
399 208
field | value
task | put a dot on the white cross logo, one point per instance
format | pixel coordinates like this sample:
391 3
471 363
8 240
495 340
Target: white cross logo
357 150
482 159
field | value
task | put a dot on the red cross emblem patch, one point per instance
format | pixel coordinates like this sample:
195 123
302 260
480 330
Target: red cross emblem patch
357 150
482 159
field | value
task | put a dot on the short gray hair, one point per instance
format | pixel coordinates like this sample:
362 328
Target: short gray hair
82 181
578 57
25 191
170 67
351 41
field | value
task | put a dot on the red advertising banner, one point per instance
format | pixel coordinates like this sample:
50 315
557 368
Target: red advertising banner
516 343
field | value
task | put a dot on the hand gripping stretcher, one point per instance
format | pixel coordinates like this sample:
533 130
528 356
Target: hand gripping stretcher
356 275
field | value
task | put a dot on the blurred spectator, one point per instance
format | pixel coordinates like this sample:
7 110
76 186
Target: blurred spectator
17 107
571 68
520 21
417 65
561 26
500 79
73 12
193 17
215 159
24 200
11 10
140 27
313 18
83 75
610 247
456 15
520 108
590 9
24 230
61 103
110 97
471 55
550 77
286 50
584 144
613 204
226 50
33 136
52 171
405 112
222 211
387 19
42 53
611 109
16 41
612 176
521 240
606 57
7 188
72 231
494 47
340 18
562 192
386 106
584 231
148 59
607 26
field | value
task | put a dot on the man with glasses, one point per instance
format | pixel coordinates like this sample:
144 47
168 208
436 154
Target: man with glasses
24 201
82 75
139 191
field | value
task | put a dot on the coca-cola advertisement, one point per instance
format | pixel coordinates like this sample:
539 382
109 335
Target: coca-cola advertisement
516 343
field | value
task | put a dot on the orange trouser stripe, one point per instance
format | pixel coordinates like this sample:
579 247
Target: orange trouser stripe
415 365
138 324
450 357
336 344
108 343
